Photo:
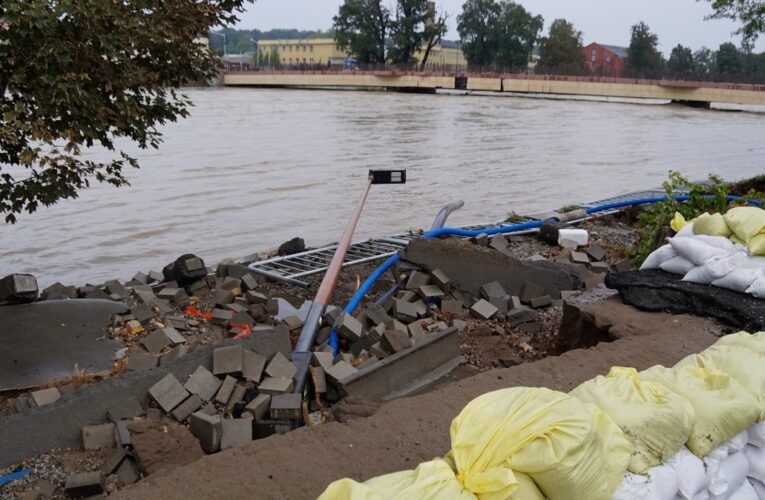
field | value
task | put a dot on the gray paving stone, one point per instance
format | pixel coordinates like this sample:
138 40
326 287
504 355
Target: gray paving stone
46 396
493 290
125 409
85 484
274 386
348 327
203 383
173 335
416 280
226 388
235 432
173 354
252 366
483 309
228 360
207 429
185 409
340 371
286 406
168 393
259 406
236 395
280 367
156 341
404 311
395 341
96 437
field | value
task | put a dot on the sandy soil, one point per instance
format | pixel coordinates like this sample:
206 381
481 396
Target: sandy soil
404 432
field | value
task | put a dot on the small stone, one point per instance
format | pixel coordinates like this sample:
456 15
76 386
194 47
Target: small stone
254 297
404 311
142 313
323 359
430 292
348 327
221 317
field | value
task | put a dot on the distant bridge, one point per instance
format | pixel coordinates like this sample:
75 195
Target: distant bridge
688 92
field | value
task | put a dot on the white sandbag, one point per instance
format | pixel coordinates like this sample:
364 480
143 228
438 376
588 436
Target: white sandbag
728 476
720 242
660 484
756 434
753 261
658 257
686 231
738 280
758 487
663 483
745 492
677 265
712 270
738 442
756 457
757 288
695 250
691 477
578 236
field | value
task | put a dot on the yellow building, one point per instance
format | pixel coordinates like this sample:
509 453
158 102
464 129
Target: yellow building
324 52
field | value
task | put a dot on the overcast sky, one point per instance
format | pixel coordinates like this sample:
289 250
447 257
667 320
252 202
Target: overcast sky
603 21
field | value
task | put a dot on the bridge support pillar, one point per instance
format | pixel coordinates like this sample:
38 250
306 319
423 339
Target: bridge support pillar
693 104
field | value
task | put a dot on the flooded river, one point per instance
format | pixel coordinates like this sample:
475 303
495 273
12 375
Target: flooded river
252 168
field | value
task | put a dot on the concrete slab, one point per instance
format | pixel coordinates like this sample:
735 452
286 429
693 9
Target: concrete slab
74 330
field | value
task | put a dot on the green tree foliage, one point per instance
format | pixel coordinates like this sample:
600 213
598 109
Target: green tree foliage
476 26
497 33
408 30
728 59
704 61
643 57
82 73
750 13
681 60
517 32
754 64
561 50
361 27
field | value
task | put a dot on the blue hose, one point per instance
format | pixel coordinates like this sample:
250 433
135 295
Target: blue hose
451 231
14 476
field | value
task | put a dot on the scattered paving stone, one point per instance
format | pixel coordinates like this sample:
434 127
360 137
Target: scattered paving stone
174 353
46 396
501 303
376 351
596 253
395 340
176 296
600 267
96 437
254 297
226 388
493 290
252 366
404 311
124 409
579 258
259 406
416 280
236 395
348 327
623 265
483 309
84 485
531 291
286 406
203 383
275 386
207 429
185 269
18 288
185 409
498 243
459 324
280 367
430 292
323 359
519 315
114 461
515 303
221 317
128 472
542 301
122 433
168 393
482 240
227 360
173 335
340 371
235 432
156 341
142 313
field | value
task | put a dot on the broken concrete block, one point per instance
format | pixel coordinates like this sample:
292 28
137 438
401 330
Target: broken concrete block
430 292
340 371
203 383
235 432
280 367
498 243
124 409
156 341
492 290
484 309
84 485
252 366
139 361
259 406
543 301
397 325
46 396
185 409
404 311
275 386
395 341
236 395
168 393
96 437
174 353
348 327
207 429
286 406
226 388
416 280
376 332
18 288
228 359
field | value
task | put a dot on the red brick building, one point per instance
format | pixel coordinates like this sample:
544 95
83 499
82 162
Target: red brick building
605 60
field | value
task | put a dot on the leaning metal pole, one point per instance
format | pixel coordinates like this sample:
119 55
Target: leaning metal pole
301 354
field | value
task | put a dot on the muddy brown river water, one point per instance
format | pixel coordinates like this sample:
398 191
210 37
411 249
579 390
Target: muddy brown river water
252 168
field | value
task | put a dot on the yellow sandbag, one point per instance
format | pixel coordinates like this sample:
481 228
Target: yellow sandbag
655 420
570 449
756 245
434 479
752 341
722 406
745 222
678 222
713 225
745 365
